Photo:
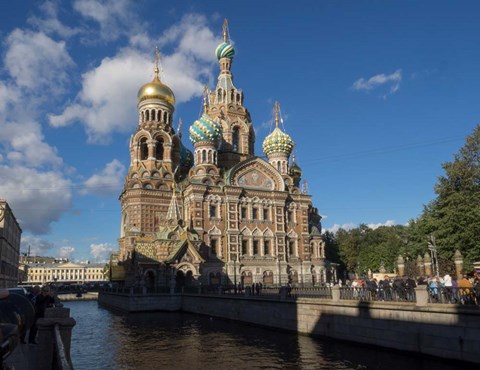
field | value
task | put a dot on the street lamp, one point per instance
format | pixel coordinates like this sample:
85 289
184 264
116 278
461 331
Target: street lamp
432 247
279 272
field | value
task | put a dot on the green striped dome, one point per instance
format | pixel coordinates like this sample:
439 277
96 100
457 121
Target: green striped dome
205 129
224 50
277 142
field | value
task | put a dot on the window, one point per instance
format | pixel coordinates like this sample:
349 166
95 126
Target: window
159 150
255 247
244 247
244 213
265 214
213 247
266 247
235 137
255 213
143 149
291 248
213 210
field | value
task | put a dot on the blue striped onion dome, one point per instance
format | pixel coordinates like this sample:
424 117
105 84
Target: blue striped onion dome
277 142
186 156
224 50
205 129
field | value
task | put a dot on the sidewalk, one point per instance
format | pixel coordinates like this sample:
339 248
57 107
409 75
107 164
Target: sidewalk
23 357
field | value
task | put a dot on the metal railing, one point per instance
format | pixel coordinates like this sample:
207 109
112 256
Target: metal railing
388 294
454 295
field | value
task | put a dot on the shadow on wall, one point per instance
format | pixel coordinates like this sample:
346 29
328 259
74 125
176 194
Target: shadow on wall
450 334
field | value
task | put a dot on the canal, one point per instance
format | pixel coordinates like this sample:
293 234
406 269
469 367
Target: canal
106 340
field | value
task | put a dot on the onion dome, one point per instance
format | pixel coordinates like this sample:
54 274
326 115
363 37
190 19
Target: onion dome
277 141
295 169
224 50
205 129
156 89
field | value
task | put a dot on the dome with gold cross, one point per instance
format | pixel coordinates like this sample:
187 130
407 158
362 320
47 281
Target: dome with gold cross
156 89
205 129
277 141
225 49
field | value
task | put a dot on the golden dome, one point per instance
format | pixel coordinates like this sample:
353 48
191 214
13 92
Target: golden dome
156 90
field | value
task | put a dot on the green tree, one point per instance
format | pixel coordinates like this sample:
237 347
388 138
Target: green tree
454 216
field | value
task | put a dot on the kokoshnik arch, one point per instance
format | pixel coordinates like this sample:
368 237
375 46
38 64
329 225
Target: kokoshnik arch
219 215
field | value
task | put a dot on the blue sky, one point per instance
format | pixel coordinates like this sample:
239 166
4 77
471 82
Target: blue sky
375 94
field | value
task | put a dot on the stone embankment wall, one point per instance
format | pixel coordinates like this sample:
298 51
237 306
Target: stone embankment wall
447 331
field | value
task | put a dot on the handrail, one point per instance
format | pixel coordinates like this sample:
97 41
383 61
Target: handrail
60 350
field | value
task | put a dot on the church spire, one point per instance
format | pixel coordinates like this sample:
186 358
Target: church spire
205 105
276 108
157 58
225 30
173 212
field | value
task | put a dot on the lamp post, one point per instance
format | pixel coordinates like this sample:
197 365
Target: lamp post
235 274
432 247
301 269
279 272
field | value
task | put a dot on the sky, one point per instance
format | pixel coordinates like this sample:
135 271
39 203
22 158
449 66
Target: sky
375 94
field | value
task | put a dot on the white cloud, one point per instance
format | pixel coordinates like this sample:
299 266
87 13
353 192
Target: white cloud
107 101
101 252
108 181
38 246
114 17
350 226
66 252
393 80
37 62
50 23
336 227
36 198
386 223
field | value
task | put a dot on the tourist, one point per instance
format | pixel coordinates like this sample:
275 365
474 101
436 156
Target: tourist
465 290
42 301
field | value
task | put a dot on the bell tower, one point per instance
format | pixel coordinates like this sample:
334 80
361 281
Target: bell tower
226 107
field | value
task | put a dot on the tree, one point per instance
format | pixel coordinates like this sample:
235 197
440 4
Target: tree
454 216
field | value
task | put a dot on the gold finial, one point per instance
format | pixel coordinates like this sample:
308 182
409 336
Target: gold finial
157 58
225 26
205 91
277 113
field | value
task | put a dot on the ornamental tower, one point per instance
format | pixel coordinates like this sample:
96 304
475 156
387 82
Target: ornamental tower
226 107
278 146
205 135
158 160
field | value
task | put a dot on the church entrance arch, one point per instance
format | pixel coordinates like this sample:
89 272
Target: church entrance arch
180 279
149 279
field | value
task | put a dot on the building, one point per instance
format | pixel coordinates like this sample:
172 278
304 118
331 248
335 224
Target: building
63 273
222 214
10 233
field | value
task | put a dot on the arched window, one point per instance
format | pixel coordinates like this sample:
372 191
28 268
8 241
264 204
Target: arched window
143 117
147 115
235 139
244 247
204 156
159 115
159 150
143 148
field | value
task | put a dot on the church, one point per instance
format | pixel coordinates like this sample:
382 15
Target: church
221 215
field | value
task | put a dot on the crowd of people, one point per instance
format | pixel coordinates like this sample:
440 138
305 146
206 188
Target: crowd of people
446 289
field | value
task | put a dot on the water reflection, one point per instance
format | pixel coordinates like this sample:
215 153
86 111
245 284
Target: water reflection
105 340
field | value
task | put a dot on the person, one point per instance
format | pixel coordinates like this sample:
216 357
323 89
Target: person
31 297
42 301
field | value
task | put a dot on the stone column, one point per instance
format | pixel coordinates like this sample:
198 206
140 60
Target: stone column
401 266
458 264
428 264
46 336
420 266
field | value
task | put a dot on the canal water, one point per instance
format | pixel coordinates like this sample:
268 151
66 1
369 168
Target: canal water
106 340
